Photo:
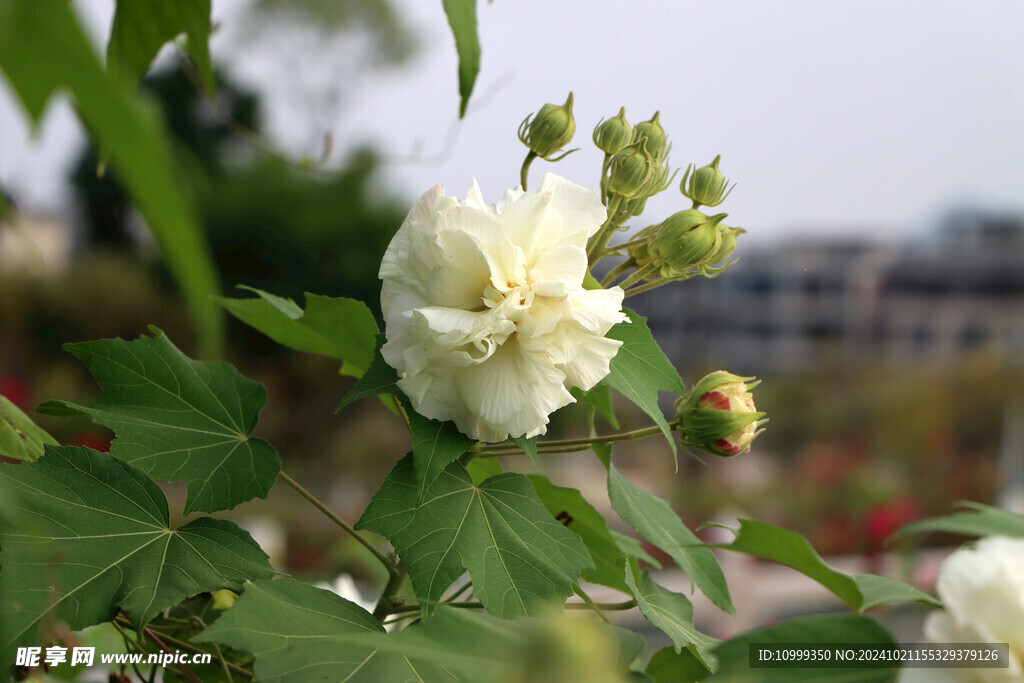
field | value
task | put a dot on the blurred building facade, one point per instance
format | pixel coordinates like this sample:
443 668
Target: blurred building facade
801 304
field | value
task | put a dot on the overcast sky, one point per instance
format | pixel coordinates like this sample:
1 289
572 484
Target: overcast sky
832 116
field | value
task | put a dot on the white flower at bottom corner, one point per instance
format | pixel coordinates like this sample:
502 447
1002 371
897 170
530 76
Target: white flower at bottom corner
982 588
487 320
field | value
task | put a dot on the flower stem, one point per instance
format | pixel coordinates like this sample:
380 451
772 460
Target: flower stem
590 603
617 271
185 671
600 240
569 445
648 286
386 604
625 245
640 274
384 559
524 172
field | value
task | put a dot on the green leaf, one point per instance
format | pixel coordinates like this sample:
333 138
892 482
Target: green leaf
978 520
43 49
335 327
640 369
669 666
93 536
379 378
569 506
462 19
20 438
521 559
599 397
733 655
141 28
179 419
631 548
671 613
300 633
480 647
656 522
482 469
435 445
528 446
860 592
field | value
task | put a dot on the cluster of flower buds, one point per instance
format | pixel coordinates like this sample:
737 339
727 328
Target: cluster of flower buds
549 130
706 186
636 160
718 415
685 244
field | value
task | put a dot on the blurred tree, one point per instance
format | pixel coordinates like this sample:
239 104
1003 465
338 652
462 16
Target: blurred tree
270 225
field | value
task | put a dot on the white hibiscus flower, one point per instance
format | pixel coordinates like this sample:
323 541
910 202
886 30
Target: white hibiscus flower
488 323
982 587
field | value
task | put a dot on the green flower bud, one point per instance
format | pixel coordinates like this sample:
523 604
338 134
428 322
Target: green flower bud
725 250
718 415
631 171
612 135
549 130
707 186
684 241
653 133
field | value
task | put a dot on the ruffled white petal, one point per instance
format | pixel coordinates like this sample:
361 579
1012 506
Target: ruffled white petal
487 321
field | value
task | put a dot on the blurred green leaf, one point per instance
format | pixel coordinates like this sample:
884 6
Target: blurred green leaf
640 369
20 438
600 398
669 666
462 19
977 520
335 327
569 506
521 559
93 536
655 521
43 49
299 633
141 28
474 646
734 655
179 419
860 592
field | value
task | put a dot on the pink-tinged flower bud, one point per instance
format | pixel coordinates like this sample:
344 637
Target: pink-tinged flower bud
718 415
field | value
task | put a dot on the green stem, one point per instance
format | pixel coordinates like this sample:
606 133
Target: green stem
639 274
617 271
568 445
603 606
386 605
524 172
625 245
600 240
590 603
465 587
384 559
186 672
647 287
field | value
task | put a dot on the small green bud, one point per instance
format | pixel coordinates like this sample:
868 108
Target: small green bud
653 133
612 135
631 171
549 130
718 415
707 186
684 241
725 250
